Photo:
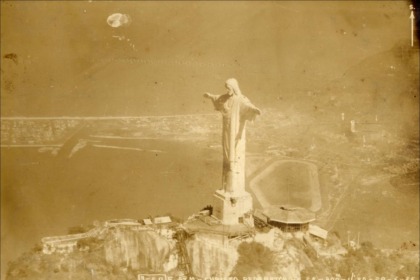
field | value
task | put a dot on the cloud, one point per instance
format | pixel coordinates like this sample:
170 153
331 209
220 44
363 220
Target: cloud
117 20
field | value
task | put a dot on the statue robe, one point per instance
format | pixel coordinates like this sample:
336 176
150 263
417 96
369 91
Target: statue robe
236 110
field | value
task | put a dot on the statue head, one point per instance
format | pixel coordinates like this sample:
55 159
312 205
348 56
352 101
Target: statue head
232 87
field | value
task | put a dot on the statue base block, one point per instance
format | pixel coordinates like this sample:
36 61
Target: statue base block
233 208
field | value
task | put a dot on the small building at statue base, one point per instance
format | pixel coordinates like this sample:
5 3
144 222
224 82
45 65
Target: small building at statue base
286 218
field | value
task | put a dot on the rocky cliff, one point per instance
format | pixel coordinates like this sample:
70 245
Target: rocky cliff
137 249
123 252
211 258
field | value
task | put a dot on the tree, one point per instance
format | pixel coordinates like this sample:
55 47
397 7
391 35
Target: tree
253 258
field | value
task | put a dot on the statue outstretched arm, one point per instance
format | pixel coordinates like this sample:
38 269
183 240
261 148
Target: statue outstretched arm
250 110
256 110
213 98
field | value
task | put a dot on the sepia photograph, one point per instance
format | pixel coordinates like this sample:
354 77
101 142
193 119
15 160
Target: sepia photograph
210 140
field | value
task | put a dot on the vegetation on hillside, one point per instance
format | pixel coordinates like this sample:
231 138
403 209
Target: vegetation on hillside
366 261
254 259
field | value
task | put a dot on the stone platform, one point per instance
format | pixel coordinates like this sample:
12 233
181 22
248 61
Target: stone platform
211 225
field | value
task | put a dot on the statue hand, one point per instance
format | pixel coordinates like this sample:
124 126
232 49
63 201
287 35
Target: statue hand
207 95
257 111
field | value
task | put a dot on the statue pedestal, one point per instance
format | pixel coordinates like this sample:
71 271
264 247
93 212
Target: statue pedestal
233 208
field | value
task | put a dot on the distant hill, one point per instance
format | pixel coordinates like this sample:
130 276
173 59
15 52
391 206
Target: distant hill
383 86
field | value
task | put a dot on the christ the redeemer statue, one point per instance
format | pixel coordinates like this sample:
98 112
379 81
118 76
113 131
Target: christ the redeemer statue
236 110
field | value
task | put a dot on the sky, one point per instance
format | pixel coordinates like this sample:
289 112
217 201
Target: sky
69 61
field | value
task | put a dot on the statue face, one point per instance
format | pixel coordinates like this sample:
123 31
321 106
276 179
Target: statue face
230 90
